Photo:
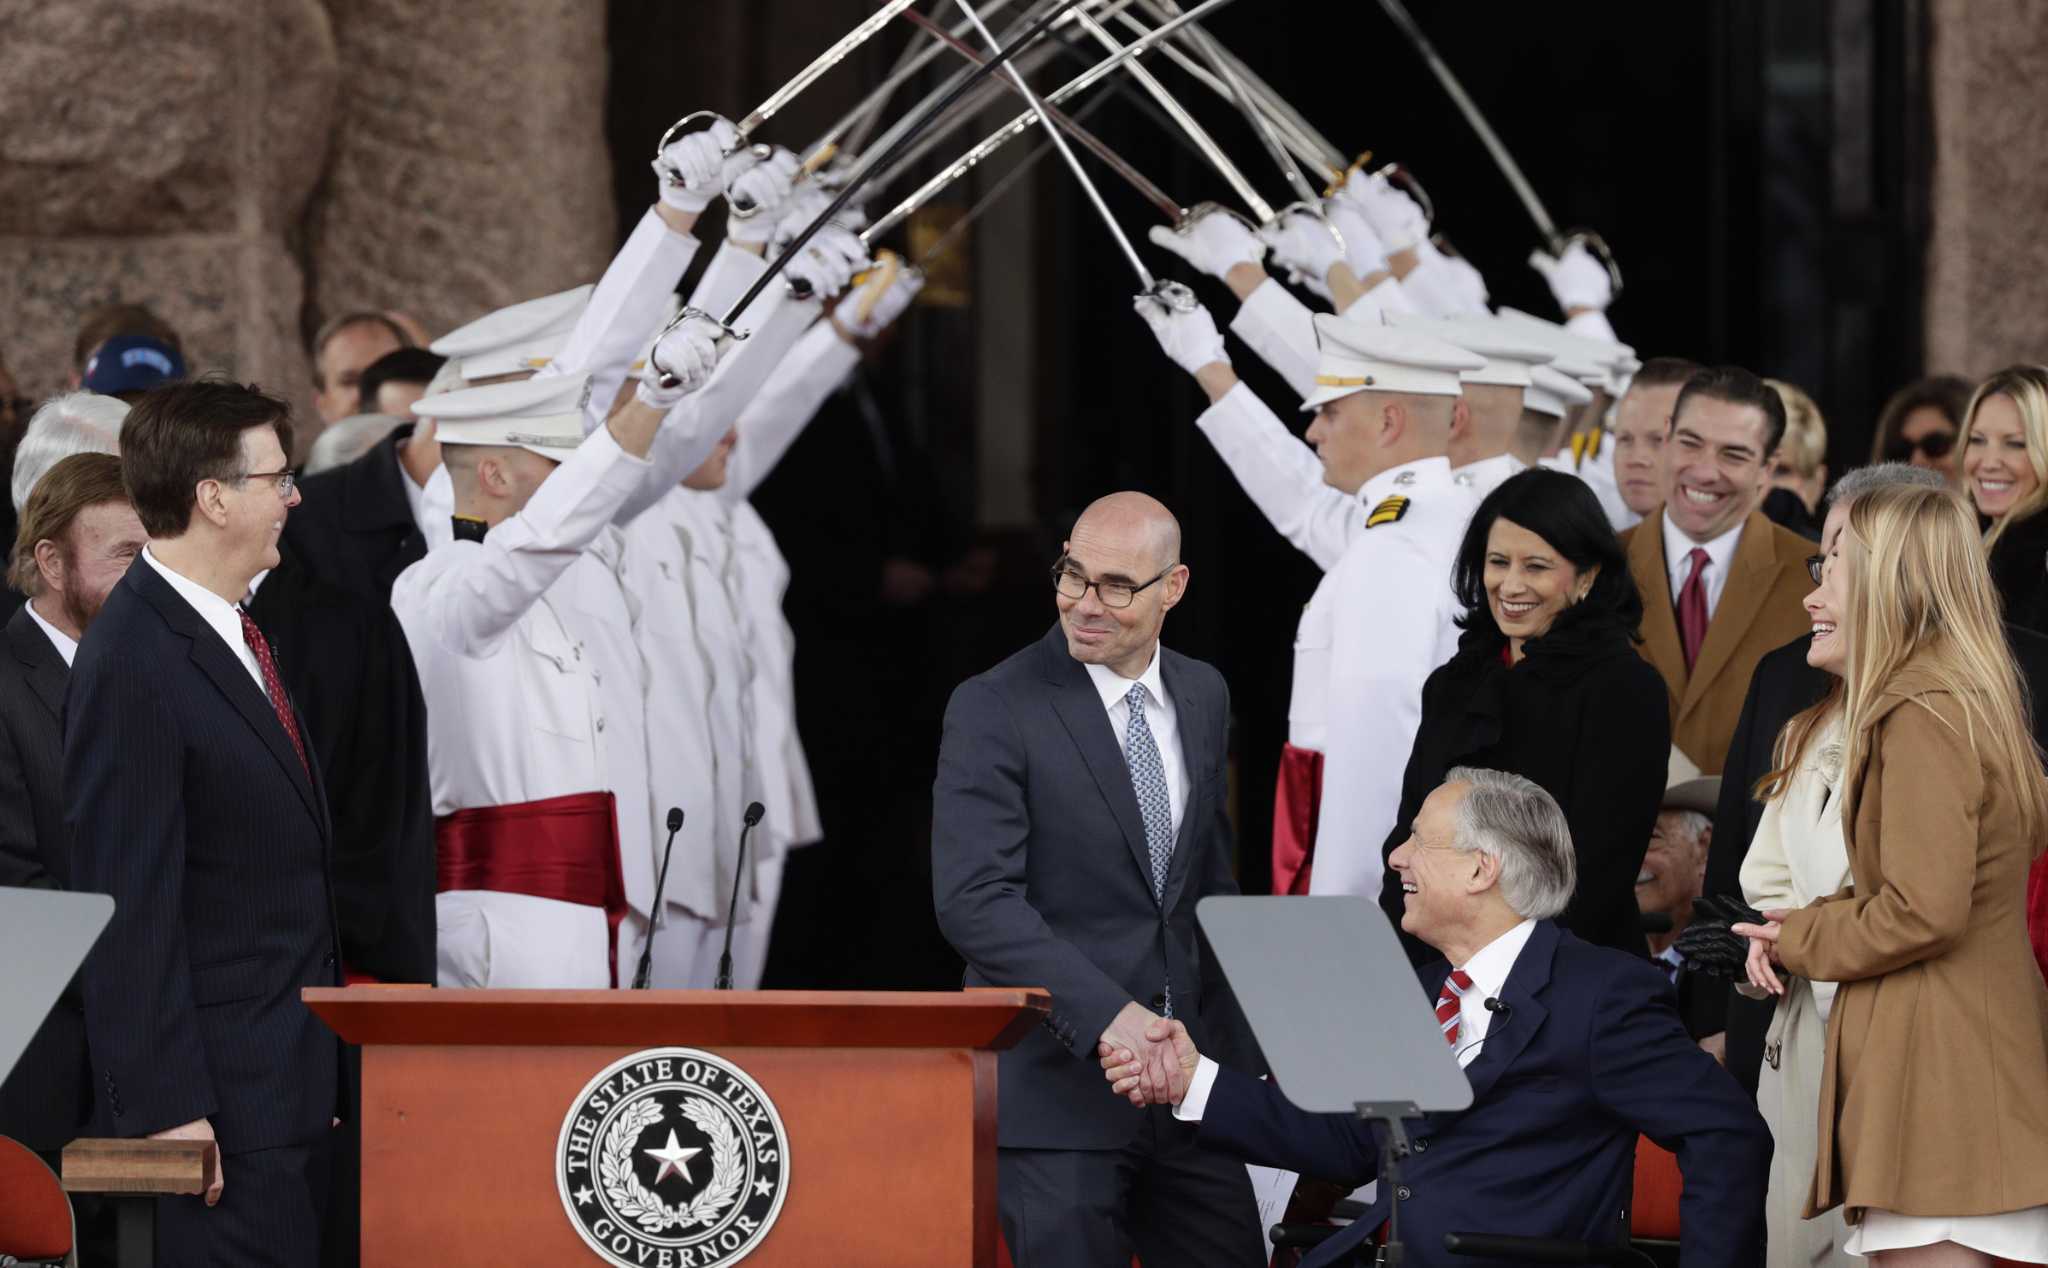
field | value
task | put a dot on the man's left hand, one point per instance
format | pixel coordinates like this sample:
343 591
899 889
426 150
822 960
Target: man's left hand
1125 1071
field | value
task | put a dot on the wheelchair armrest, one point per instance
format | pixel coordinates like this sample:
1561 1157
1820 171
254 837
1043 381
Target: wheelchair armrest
1543 1250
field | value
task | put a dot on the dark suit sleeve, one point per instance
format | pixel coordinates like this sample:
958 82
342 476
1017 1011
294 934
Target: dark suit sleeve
981 828
1746 763
1249 1119
21 857
1650 1074
123 786
1624 750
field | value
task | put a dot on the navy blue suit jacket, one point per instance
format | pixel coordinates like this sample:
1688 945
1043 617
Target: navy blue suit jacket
1041 877
1591 1054
188 804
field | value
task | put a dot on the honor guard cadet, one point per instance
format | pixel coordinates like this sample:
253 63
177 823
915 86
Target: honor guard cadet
1551 395
1603 366
1481 453
1371 500
537 745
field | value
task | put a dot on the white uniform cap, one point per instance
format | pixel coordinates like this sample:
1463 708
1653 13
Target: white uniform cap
1608 360
1509 352
523 337
542 415
1356 358
1550 392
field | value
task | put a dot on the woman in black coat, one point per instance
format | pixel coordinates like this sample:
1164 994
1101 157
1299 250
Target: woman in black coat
1547 683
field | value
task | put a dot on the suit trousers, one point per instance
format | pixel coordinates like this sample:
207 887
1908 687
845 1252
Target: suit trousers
1163 1197
273 1204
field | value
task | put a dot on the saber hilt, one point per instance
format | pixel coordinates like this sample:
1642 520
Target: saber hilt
668 381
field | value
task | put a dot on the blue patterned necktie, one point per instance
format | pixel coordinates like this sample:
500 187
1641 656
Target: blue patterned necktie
1148 780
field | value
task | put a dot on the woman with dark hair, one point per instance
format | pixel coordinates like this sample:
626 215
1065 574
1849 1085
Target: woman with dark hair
1920 423
1547 683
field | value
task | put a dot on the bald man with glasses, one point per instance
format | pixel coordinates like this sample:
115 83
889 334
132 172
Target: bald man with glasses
1077 818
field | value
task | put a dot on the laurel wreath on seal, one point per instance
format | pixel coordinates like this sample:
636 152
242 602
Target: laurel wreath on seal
635 1202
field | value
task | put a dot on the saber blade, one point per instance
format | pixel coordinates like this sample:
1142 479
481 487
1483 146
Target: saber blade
825 61
1261 126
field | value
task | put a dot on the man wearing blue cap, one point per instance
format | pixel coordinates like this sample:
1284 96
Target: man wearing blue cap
126 366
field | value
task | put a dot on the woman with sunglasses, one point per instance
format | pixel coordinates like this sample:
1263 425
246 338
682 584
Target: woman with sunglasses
2005 473
1920 421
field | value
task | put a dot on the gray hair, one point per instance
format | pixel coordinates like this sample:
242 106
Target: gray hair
73 423
1521 827
345 440
1883 475
1691 822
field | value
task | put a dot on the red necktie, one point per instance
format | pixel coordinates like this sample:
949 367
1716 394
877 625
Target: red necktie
1692 608
273 686
1447 999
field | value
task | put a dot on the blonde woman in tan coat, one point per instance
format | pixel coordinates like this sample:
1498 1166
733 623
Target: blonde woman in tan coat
1933 1113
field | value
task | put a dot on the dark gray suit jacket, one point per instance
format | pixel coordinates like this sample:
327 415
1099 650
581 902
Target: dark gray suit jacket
44 1103
1041 878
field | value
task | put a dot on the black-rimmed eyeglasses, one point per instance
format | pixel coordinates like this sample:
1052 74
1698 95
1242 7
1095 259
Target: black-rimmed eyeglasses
1073 584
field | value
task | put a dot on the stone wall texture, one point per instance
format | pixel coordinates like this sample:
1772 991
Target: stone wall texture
1987 255
247 169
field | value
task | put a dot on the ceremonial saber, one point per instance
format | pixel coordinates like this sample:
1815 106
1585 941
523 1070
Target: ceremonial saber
1261 126
1148 283
845 195
853 129
1557 243
1323 152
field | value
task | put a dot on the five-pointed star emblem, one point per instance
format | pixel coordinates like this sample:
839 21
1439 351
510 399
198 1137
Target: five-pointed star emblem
673 1158
763 1188
584 1197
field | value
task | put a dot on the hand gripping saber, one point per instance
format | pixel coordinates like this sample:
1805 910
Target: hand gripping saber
1554 241
854 182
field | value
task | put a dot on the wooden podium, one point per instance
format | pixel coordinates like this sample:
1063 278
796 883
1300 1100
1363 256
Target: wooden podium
887 1099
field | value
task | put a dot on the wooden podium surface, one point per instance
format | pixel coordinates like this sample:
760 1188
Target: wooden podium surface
887 1099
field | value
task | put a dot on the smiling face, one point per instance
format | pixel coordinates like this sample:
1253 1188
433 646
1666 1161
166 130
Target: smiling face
1996 466
1528 582
1642 427
1714 467
254 510
1827 604
1120 544
1674 869
1439 881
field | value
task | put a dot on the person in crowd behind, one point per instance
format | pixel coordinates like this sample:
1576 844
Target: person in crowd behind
1920 422
117 320
1933 1112
193 801
1546 683
126 366
1573 1051
341 350
1720 583
1077 819
342 442
1642 424
1799 470
391 383
67 424
78 536
2005 473
1673 872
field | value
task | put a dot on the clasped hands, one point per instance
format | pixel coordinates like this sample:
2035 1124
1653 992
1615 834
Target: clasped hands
1147 1058
1763 950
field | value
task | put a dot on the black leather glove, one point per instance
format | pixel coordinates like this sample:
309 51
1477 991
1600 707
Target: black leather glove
1708 947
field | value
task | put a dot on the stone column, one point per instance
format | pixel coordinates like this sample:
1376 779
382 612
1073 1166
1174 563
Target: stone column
1986 255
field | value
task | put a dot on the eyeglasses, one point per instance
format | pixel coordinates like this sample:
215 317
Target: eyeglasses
283 479
1814 563
1935 444
1071 584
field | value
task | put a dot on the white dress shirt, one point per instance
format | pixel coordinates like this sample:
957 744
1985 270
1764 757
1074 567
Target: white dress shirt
67 646
1488 968
217 612
1159 715
1678 550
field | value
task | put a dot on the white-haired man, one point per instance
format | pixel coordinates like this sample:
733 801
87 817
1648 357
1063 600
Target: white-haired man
1572 1052
71 423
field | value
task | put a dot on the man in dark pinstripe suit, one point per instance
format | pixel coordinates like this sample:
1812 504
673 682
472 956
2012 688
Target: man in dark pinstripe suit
193 801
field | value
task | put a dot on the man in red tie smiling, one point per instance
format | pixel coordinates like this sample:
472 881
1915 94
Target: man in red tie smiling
1572 1051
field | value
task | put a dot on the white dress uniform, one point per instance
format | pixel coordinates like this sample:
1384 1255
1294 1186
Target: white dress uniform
1597 363
534 686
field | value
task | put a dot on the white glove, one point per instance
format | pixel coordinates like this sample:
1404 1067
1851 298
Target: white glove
765 185
1362 249
691 169
886 306
1189 339
1215 243
1576 279
1394 216
1468 282
1306 246
806 203
828 261
1437 287
689 353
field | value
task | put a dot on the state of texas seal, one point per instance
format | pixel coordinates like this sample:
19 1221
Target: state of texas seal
672 1158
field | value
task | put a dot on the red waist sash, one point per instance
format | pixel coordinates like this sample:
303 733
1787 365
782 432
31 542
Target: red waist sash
1297 794
563 848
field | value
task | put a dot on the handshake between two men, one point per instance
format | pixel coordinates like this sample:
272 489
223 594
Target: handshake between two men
1147 1058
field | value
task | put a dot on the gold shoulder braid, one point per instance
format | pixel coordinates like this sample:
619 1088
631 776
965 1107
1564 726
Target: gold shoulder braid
1389 509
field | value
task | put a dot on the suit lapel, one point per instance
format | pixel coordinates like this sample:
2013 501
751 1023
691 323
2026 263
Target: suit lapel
1661 646
1742 597
45 670
1507 1034
1196 743
1081 712
231 677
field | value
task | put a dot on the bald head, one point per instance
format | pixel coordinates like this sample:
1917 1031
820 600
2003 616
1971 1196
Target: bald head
1131 523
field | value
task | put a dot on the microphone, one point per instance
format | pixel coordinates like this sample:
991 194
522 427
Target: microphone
753 816
1497 1006
1494 1004
675 825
